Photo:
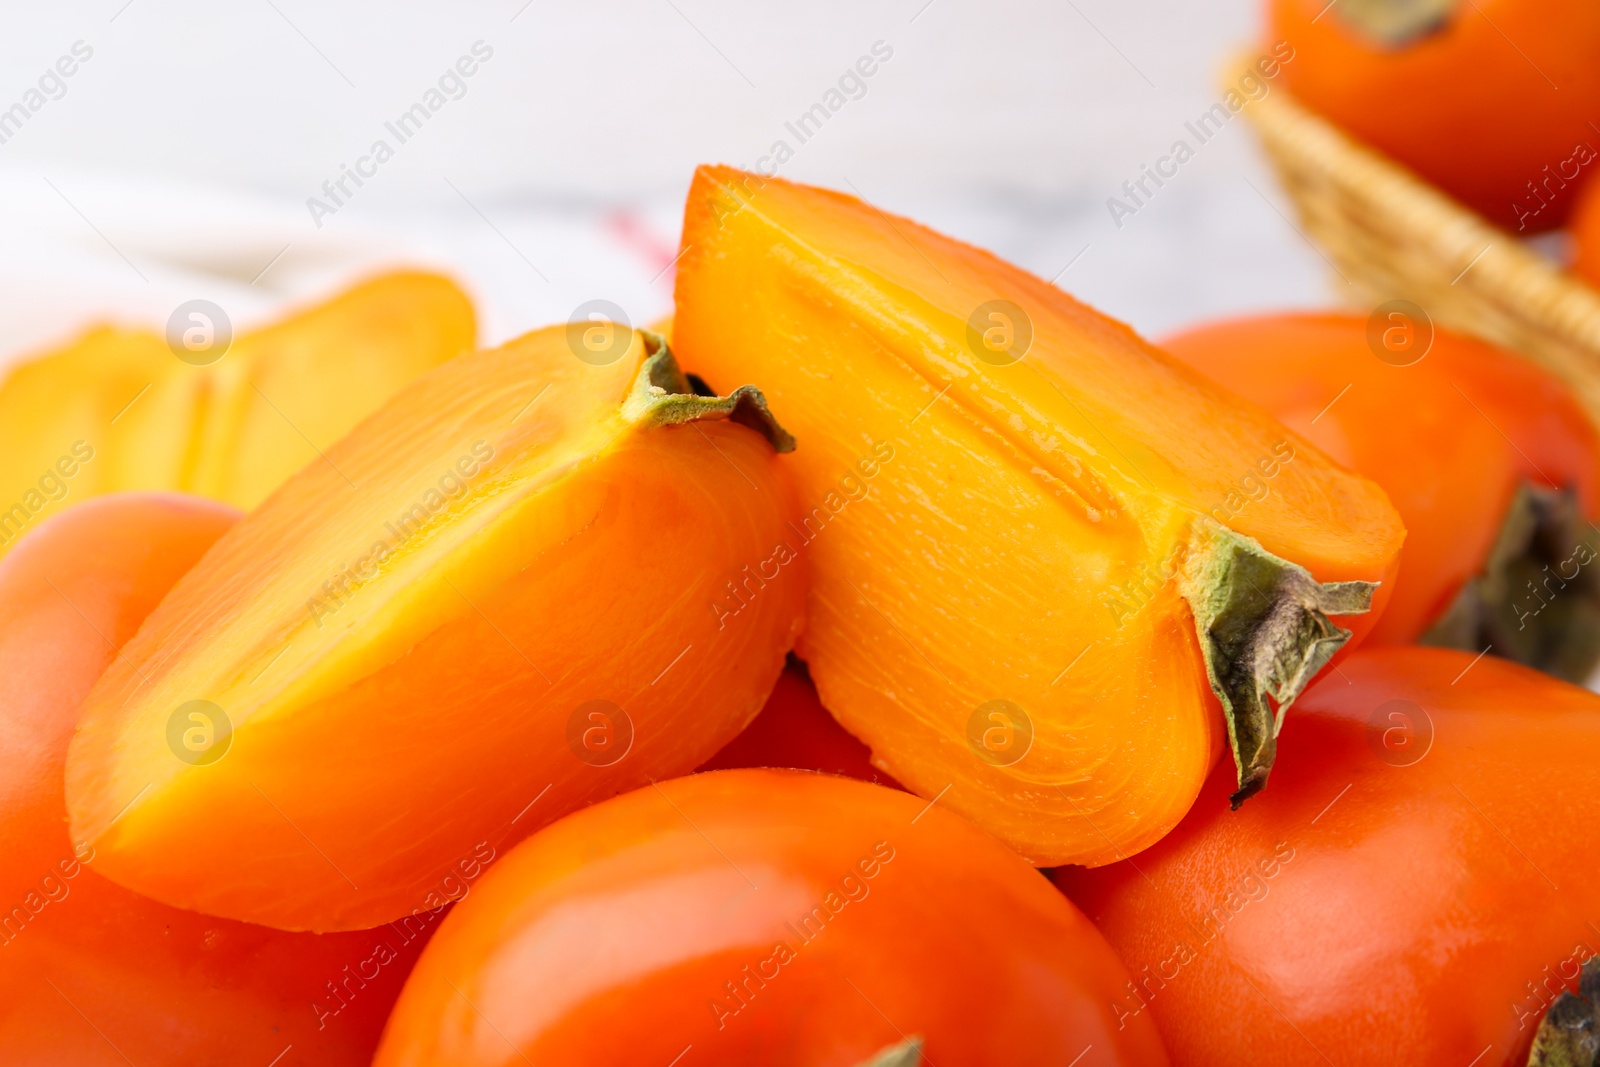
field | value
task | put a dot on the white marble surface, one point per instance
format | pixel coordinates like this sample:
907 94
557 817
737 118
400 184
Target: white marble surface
178 160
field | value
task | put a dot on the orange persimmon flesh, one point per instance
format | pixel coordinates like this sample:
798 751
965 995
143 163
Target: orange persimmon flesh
496 601
765 917
91 974
1453 433
117 410
997 519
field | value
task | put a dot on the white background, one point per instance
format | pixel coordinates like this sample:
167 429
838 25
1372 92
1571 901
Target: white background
179 160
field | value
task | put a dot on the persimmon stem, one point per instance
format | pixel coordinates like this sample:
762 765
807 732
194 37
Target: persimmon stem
1397 23
1569 1034
1265 631
663 395
1537 600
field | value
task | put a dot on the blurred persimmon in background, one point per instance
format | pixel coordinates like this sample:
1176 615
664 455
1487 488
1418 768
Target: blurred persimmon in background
1493 101
1490 460
1586 235
205 413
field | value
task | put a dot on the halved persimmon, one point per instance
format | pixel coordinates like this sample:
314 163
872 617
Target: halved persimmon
92 974
1027 591
794 730
537 577
1490 461
121 409
764 916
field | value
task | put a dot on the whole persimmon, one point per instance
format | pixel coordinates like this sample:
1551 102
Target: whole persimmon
1419 890
91 974
1489 459
765 916
1491 100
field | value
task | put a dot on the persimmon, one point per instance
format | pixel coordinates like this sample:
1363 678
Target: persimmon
1490 461
1417 888
537 577
1491 100
118 409
91 974
764 916
1586 236
1028 592
794 730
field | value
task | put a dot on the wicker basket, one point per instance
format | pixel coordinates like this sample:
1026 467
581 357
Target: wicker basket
1392 235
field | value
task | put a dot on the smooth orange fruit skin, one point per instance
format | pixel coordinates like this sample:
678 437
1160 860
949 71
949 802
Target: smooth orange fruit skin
91 974
981 532
1450 438
1480 108
1586 236
397 714
794 730
1368 909
622 934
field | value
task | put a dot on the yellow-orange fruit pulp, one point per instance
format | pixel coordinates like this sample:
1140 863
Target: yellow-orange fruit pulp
120 409
1029 575
498 600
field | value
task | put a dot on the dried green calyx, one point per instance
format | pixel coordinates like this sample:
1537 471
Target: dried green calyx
907 1053
1569 1034
1537 600
663 395
1265 631
1396 23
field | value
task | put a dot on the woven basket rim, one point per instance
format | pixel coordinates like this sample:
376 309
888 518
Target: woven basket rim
1391 234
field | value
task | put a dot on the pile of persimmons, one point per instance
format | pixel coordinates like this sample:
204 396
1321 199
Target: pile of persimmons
714 694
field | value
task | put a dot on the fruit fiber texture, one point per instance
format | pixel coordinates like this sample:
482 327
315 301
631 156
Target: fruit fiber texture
1490 100
502 597
1417 886
1490 461
1013 508
93 975
117 409
760 916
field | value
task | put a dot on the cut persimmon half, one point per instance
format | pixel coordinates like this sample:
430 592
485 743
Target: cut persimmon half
1489 459
92 975
498 600
122 409
1030 591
